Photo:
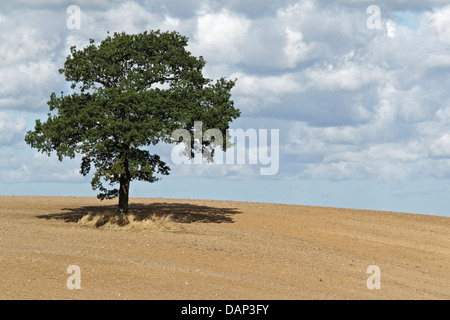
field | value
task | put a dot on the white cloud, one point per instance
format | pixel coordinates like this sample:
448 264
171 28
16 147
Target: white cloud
220 36
29 61
12 126
387 162
441 146
437 60
350 76
297 51
356 102
257 92
23 44
41 168
439 22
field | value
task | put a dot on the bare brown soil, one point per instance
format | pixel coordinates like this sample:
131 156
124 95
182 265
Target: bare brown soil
220 250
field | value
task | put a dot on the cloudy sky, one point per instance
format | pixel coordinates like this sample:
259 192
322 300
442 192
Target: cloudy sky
358 91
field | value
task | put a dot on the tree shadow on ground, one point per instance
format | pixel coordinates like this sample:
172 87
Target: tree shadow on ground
180 212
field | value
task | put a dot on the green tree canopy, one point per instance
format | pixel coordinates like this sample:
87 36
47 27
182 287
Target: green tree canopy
130 92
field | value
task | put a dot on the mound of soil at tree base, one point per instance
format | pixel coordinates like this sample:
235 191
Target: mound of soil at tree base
219 250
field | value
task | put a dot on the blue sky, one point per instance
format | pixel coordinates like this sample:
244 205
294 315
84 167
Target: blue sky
408 19
363 113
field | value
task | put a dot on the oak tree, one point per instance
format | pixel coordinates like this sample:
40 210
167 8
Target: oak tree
130 92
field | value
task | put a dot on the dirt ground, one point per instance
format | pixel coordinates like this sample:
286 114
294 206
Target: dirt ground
223 250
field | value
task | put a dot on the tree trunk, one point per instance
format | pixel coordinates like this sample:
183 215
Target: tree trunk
124 190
